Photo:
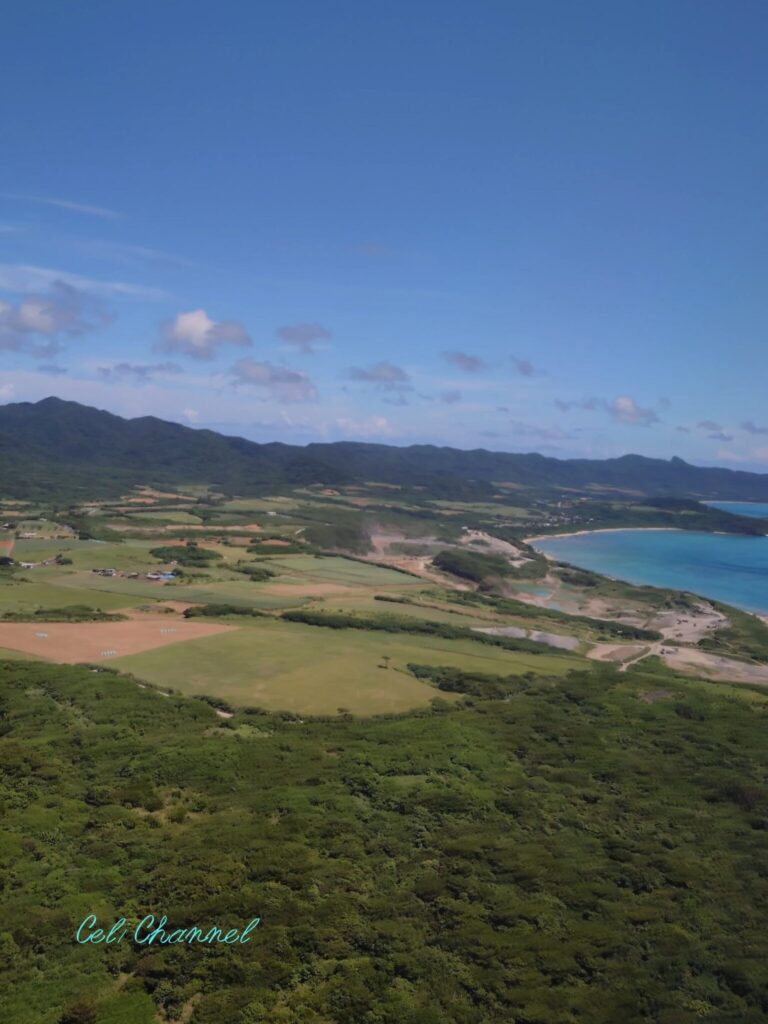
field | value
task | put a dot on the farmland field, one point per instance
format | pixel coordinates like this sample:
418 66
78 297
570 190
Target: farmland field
42 593
341 570
73 642
289 666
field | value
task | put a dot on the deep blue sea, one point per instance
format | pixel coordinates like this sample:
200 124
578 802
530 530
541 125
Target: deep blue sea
753 509
727 567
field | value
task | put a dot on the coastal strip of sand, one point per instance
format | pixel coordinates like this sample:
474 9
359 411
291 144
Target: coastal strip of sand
604 529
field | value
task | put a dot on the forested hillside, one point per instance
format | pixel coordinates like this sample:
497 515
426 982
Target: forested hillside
591 851
73 450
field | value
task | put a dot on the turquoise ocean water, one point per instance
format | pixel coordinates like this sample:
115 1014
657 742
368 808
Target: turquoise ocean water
727 567
753 509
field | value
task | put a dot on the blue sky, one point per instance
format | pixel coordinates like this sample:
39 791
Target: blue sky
519 226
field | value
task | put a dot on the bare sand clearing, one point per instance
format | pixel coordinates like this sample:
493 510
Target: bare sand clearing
689 626
496 546
564 643
73 642
617 652
713 666
419 565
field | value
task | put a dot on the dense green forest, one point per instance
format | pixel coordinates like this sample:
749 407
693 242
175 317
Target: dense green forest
72 450
587 850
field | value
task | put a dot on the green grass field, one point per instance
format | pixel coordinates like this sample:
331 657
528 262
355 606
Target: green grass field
88 554
497 511
21 596
341 570
273 504
40 548
311 670
159 517
239 591
365 602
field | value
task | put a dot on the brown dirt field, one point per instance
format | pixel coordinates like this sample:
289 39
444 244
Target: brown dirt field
73 642
6 547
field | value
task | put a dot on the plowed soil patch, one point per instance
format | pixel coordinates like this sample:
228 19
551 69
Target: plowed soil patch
72 642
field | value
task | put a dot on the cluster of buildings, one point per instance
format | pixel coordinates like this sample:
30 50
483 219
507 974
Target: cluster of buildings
164 577
36 565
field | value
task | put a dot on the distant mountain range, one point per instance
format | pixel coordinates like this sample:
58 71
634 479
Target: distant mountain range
56 449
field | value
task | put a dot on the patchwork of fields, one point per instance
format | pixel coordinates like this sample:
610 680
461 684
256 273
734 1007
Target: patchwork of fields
239 563
289 666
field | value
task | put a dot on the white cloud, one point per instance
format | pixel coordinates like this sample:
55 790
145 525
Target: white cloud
35 324
374 426
132 255
539 433
385 375
753 428
278 382
20 277
523 366
303 336
623 409
626 410
137 373
466 362
7 391
64 204
195 334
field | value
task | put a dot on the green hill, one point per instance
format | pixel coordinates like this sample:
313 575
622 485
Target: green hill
54 447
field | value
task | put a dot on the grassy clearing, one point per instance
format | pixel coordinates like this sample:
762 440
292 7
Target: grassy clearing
288 666
342 570
87 554
481 508
238 591
42 548
272 504
158 516
365 602
7 653
21 596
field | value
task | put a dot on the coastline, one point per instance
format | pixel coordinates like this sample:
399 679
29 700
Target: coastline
762 615
603 529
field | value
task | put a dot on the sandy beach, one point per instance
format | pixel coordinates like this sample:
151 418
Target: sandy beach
603 529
